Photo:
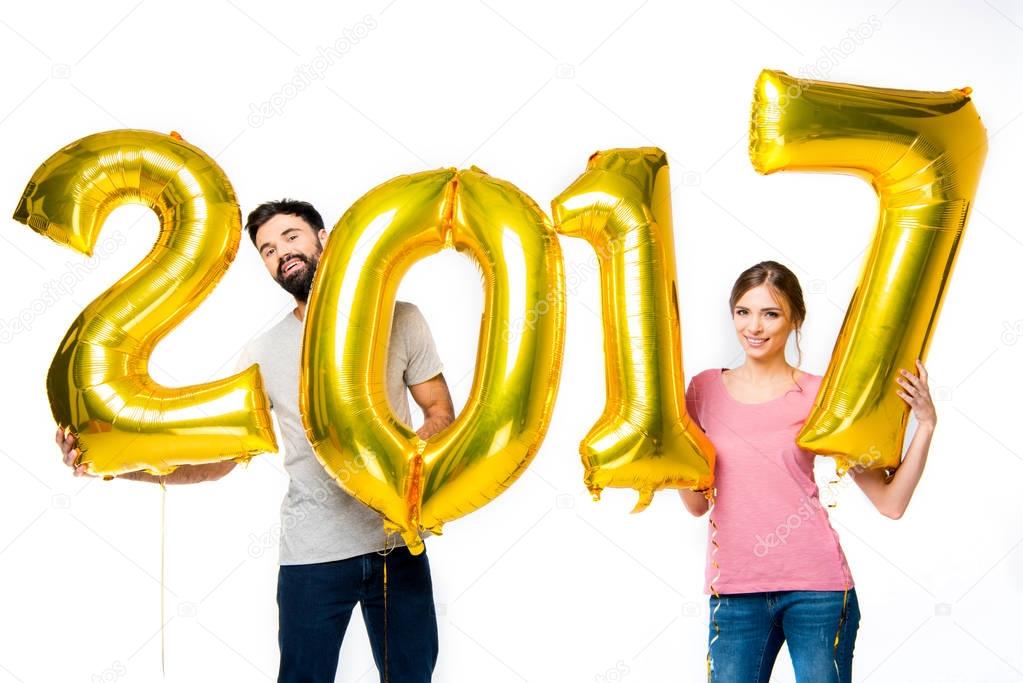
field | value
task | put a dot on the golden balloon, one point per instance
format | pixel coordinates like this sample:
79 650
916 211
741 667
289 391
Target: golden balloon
645 439
99 384
922 152
418 484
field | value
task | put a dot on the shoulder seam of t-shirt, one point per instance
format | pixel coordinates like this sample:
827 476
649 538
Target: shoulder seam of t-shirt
404 337
412 381
416 317
261 338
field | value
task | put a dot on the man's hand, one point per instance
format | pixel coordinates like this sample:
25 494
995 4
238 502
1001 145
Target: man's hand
69 448
435 400
184 474
432 425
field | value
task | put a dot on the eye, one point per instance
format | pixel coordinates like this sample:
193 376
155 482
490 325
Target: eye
268 253
293 237
772 314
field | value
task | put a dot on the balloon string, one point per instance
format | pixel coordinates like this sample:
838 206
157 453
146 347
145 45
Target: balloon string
833 503
384 553
838 632
711 499
163 567
387 659
833 485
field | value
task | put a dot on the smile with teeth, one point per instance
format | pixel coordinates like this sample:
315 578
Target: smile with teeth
756 341
291 265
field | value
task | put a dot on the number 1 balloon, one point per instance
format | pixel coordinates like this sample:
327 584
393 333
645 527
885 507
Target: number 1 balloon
644 440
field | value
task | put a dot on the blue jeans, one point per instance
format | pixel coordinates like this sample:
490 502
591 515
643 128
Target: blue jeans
751 628
315 603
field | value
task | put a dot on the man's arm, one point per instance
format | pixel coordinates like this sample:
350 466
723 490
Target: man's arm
185 474
423 374
435 400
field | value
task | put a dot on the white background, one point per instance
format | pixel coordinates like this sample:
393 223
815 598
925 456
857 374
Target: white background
542 584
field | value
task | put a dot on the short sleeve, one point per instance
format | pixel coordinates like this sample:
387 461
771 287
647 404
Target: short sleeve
693 402
423 363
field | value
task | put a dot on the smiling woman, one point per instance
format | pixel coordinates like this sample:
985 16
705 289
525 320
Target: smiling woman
773 557
767 305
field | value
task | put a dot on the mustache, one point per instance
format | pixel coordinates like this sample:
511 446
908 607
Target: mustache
299 284
299 257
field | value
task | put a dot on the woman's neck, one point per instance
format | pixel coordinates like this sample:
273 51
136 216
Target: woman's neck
765 371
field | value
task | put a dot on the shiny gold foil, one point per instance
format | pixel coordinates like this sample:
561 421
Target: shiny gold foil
99 384
644 440
418 484
922 152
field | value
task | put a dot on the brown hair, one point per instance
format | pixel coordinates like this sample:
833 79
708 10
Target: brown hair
783 283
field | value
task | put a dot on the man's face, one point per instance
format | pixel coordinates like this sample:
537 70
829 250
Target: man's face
291 250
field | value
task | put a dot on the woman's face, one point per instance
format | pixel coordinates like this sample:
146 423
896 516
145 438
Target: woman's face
762 322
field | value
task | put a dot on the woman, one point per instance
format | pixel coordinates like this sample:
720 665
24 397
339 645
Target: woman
775 569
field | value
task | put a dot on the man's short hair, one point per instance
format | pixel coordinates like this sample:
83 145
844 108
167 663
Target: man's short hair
289 207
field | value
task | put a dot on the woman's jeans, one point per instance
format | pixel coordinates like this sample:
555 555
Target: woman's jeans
315 603
751 627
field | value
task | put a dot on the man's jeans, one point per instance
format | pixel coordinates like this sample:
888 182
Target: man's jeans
315 603
752 626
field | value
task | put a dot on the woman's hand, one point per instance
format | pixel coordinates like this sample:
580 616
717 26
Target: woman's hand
891 495
695 501
917 394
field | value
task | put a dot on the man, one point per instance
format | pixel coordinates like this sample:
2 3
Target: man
330 546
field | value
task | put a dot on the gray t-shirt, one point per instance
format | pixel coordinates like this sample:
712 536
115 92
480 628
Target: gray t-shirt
319 521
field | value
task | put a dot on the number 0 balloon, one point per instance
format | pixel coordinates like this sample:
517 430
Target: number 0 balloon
413 483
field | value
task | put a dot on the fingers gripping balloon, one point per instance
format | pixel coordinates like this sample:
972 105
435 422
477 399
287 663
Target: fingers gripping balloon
99 384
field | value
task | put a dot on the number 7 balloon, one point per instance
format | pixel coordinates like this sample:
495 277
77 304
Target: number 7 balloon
922 152
99 384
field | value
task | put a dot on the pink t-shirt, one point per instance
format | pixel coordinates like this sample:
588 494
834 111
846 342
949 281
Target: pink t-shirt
773 532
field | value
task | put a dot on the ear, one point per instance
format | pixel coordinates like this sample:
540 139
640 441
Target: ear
322 235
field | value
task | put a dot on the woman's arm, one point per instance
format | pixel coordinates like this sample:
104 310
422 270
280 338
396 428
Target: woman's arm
891 496
695 501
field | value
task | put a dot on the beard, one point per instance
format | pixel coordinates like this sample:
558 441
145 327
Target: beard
298 283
